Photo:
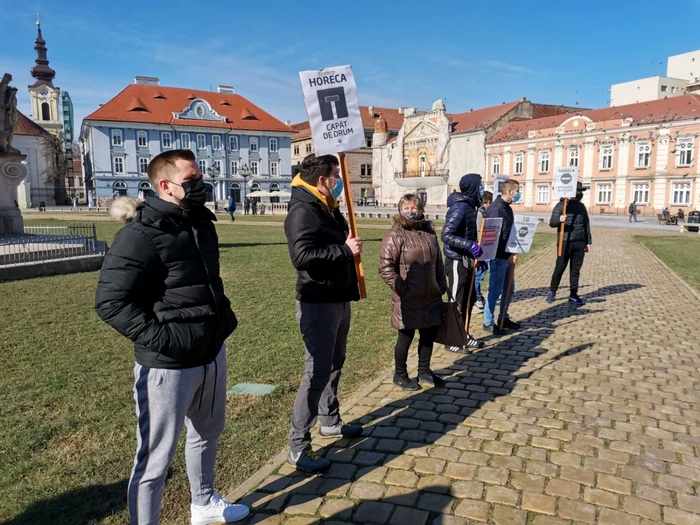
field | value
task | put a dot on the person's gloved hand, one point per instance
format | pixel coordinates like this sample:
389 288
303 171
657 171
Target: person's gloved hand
482 266
475 250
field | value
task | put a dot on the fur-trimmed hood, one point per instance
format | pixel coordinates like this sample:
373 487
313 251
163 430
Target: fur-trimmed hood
123 209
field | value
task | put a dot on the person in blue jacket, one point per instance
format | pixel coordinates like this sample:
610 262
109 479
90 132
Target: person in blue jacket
231 207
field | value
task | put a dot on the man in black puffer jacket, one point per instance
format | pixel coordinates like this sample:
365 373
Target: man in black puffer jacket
577 242
461 249
160 287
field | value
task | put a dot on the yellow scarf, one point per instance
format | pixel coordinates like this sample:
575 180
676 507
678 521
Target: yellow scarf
329 202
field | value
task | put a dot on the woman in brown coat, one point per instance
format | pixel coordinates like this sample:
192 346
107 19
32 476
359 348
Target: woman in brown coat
411 264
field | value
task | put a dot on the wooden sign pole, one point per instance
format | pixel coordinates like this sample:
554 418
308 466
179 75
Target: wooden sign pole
561 230
471 285
345 174
507 294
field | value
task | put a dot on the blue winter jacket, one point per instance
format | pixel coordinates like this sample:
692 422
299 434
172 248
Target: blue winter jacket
459 231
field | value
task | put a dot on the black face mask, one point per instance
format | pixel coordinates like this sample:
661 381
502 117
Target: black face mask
195 193
579 196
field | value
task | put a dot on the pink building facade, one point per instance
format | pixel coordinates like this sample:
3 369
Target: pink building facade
645 152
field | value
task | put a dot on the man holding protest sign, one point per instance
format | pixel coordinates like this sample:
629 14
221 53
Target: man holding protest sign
501 280
576 239
462 249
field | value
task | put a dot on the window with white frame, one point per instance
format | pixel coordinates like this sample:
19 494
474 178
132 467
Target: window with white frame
643 156
405 164
606 158
543 194
253 145
274 169
216 142
166 139
604 194
117 137
366 171
254 167
680 195
308 147
640 193
202 166
119 165
684 153
217 168
518 165
544 161
234 167
143 165
496 165
233 142
273 145
573 158
142 139
201 141
185 140
296 149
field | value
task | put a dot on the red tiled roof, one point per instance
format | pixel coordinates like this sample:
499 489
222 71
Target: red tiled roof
26 126
393 118
478 119
654 111
156 105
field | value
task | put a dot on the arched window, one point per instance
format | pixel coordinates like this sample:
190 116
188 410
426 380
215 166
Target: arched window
145 190
210 192
45 111
422 165
274 187
120 189
255 187
235 191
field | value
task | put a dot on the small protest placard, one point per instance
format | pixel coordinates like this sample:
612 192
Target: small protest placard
330 96
490 235
522 234
565 183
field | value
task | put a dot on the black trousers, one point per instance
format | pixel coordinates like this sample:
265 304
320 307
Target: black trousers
459 278
425 348
573 252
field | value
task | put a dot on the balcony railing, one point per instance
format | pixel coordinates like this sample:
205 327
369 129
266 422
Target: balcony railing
422 173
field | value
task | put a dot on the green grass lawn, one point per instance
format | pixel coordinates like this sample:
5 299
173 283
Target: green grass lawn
679 252
68 436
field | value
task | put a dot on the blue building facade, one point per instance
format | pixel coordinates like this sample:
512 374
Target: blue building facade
233 161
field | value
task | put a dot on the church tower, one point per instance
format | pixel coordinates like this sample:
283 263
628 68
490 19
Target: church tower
44 96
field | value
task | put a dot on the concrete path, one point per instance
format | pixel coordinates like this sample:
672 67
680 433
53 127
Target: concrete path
587 415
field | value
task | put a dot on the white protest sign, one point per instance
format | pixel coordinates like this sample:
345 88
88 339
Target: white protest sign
331 102
490 235
565 183
498 180
522 234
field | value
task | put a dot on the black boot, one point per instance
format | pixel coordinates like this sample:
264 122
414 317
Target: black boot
405 382
430 378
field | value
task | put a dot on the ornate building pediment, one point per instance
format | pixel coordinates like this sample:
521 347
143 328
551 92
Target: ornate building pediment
422 131
199 109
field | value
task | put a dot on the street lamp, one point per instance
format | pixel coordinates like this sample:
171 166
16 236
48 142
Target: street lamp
214 172
245 172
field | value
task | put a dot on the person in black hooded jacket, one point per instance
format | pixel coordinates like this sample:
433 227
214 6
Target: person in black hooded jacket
160 287
461 249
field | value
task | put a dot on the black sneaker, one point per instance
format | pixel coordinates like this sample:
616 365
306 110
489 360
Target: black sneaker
431 378
509 324
474 343
575 299
492 329
405 382
456 349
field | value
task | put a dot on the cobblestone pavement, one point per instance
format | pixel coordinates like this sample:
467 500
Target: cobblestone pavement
587 415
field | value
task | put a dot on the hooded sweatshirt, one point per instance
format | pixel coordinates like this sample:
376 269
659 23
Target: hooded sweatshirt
459 232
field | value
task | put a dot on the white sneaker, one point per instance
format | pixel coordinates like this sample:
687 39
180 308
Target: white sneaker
218 511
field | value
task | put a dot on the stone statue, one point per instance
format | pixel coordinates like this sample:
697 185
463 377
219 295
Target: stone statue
8 114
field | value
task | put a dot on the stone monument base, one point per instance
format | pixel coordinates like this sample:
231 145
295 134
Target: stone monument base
12 173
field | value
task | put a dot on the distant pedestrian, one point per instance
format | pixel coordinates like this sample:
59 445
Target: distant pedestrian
323 253
75 202
577 242
503 265
666 212
411 264
633 211
231 207
483 266
246 207
177 315
254 205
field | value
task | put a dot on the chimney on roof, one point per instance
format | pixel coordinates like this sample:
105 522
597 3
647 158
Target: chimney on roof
226 90
523 99
147 81
287 122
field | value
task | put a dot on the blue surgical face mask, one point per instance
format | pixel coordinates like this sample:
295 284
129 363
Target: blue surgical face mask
481 191
337 190
517 197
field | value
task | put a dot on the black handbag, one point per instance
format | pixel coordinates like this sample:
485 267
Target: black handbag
452 332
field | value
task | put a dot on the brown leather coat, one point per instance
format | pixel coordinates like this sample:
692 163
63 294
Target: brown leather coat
411 264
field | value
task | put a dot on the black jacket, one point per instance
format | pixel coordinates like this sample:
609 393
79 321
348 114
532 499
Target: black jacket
316 239
500 208
577 226
160 287
460 230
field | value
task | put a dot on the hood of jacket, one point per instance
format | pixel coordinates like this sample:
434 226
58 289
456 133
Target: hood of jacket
469 185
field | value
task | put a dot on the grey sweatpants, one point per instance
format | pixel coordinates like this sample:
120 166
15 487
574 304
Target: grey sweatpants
324 328
165 401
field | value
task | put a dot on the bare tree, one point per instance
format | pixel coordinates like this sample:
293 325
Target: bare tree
58 165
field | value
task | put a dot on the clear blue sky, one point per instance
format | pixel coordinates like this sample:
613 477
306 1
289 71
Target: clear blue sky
471 54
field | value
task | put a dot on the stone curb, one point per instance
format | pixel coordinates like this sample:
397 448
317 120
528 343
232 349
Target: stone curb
674 274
